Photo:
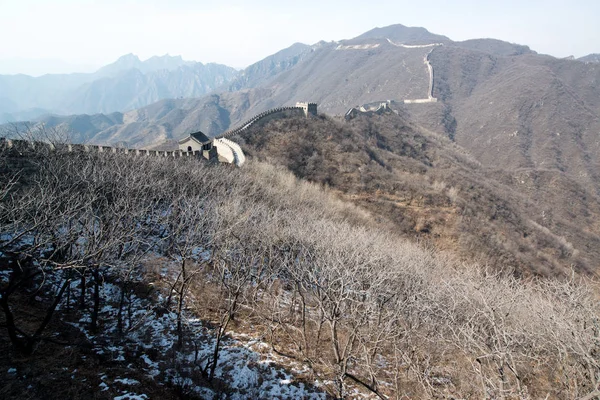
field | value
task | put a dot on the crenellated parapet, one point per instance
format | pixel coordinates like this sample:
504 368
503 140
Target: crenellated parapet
371 109
19 147
17 150
307 109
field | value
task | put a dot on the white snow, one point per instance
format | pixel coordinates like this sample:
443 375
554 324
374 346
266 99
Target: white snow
5 276
154 369
131 396
245 364
127 381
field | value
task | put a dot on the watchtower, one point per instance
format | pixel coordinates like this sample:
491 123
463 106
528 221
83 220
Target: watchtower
198 142
309 108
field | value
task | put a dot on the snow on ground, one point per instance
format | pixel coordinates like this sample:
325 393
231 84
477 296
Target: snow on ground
5 276
150 334
127 381
246 366
131 396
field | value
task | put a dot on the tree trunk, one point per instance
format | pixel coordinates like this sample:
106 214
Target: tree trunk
82 293
180 305
17 342
25 345
120 312
96 309
220 334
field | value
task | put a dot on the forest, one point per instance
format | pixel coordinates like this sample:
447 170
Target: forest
86 238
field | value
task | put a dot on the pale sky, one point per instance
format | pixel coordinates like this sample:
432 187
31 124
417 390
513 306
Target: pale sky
60 36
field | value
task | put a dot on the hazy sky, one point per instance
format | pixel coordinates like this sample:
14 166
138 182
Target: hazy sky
38 36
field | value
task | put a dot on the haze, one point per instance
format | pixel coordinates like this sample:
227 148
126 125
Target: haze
81 35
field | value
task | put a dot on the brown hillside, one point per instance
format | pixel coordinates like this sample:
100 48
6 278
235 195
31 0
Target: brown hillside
432 190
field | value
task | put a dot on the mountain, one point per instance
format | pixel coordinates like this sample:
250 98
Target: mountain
495 47
132 88
379 65
404 34
123 85
131 61
123 63
165 120
453 235
22 94
281 61
595 58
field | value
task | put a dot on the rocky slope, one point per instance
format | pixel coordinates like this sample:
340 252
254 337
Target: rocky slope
590 58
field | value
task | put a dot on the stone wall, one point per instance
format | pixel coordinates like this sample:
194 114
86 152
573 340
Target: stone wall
304 108
19 155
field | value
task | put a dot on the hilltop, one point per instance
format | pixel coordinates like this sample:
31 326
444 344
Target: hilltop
590 58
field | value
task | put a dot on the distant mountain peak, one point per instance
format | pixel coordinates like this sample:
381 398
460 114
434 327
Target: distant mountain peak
168 62
128 57
154 63
404 34
167 57
123 63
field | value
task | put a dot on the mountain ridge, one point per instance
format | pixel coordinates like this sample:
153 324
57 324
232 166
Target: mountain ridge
110 88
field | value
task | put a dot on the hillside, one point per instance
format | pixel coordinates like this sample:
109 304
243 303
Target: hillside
529 120
432 190
155 277
341 75
259 72
590 58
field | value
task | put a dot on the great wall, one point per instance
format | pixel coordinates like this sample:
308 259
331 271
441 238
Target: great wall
232 152
306 108
430 98
220 147
225 150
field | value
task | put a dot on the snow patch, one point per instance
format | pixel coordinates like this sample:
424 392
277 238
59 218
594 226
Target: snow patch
131 396
127 381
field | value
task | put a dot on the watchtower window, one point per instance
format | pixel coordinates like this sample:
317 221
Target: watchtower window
189 148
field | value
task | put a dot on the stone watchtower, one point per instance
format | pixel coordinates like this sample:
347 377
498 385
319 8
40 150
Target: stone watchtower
309 108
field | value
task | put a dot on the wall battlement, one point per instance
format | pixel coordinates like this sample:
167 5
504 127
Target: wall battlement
306 108
22 147
370 109
17 149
